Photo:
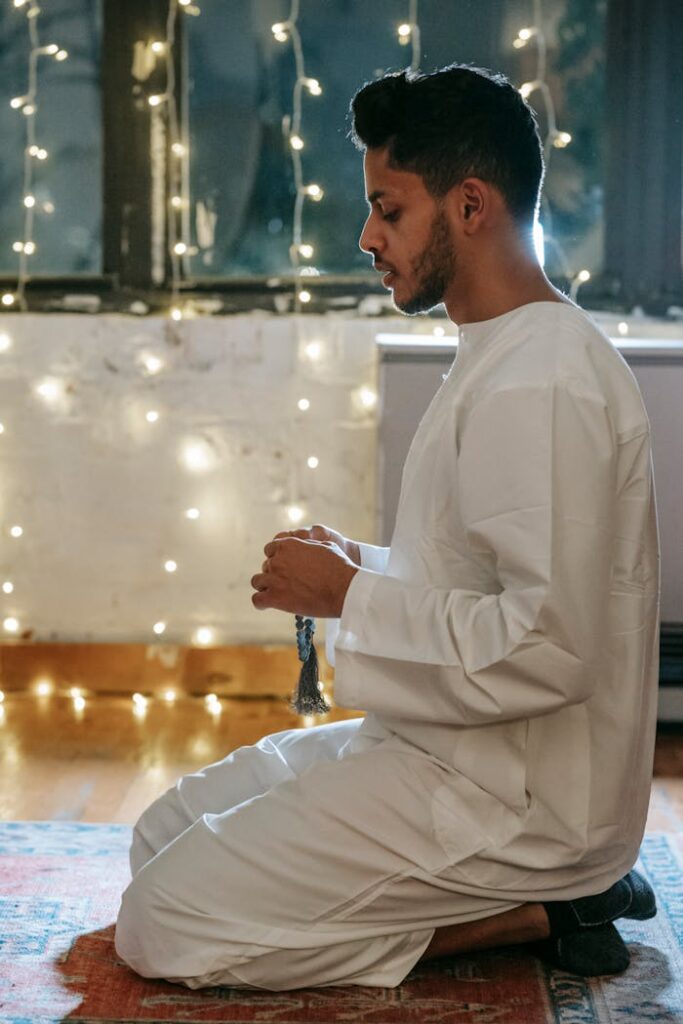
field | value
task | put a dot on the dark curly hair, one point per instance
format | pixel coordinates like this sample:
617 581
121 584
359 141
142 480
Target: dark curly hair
454 122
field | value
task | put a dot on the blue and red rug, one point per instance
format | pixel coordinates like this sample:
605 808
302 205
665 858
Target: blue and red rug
60 884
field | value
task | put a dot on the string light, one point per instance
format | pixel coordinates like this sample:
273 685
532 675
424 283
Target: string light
166 124
28 106
554 138
409 32
291 126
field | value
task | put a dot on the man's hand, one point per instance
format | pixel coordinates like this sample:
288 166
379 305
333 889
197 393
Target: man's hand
305 577
323 533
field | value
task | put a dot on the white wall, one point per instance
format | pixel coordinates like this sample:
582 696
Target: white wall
101 493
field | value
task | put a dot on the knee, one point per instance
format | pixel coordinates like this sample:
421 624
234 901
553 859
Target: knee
138 938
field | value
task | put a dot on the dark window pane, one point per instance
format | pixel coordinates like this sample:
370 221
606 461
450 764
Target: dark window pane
241 82
67 126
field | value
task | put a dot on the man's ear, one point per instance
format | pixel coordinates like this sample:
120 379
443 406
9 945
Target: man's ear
472 201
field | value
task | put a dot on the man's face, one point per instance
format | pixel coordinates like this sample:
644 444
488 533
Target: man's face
407 233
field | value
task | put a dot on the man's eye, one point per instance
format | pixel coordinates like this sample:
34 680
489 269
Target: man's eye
390 216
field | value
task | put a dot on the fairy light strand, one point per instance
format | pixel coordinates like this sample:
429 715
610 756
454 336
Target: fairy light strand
554 139
409 32
178 177
291 126
28 106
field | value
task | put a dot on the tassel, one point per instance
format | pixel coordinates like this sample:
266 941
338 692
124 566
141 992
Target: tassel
308 700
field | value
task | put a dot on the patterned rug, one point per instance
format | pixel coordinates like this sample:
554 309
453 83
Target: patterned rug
60 884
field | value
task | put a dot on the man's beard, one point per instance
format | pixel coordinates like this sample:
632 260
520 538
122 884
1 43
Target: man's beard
433 269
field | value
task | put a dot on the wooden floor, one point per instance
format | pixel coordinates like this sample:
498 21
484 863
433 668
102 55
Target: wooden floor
107 762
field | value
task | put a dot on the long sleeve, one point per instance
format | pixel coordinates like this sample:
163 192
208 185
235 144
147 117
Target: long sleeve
371 557
535 486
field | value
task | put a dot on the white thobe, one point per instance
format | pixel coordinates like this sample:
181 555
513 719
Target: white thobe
505 649
511 629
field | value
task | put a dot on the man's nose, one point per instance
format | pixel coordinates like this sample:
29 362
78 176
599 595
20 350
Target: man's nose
369 240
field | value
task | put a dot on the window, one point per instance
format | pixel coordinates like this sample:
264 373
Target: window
612 195
66 173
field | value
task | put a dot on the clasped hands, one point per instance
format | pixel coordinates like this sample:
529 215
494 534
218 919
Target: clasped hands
306 572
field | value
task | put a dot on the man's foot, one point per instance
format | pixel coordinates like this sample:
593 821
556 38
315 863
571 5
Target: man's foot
589 952
630 897
583 939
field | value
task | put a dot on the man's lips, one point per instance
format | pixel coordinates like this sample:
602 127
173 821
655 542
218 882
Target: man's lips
386 271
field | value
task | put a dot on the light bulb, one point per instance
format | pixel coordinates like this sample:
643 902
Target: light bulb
75 691
29 201
312 462
170 565
29 248
313 86
157 46
296 142
439 332
368 397
11 625
622 328
79 703
306 251
139 700
313 350
314 191
50 389
44 687
159 628
5 342
7 587
526 89
561 140
152 416
303 404
404 31
198 456
16 531
156 100
152 363
176 202
526 33
584 275
295 513
169 696
29 109
17 101
180 248
176 313
204 636
304 296
8 299
178 149
192 513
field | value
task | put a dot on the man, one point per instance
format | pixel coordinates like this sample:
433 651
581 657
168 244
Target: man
504 645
